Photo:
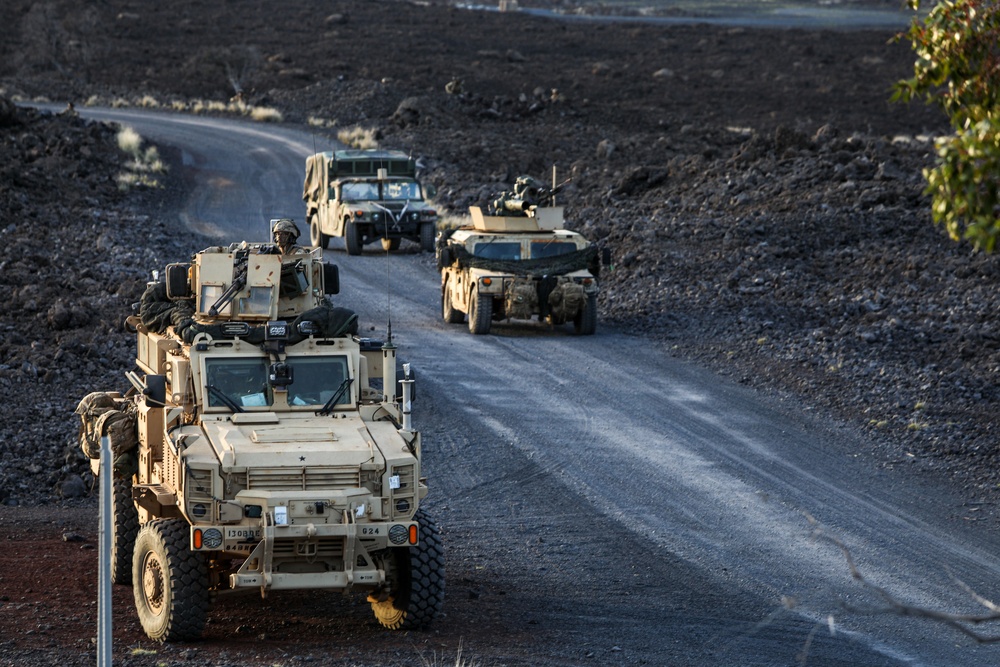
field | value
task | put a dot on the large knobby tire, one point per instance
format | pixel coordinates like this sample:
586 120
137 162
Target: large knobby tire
390 245
450 314
170 582
480 312
417 592
316 237
585 322
427 232
352 238
123 531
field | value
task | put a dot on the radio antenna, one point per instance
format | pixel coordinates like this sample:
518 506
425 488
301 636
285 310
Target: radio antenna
388 282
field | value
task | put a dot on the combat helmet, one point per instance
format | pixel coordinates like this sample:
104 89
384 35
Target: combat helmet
285 225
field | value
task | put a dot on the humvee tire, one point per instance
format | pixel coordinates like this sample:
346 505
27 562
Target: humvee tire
480 312
390 244
316 237
427 233
585 322
449 313
170 582
419 593
352 238
124 528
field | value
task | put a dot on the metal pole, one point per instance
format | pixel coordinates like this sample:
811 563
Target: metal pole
407 383
104 530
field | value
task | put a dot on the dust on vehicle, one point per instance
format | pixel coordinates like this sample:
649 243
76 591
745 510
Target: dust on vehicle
263 445
367 195
516 261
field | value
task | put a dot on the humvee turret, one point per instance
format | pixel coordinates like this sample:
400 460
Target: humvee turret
517 261
263 445
364 195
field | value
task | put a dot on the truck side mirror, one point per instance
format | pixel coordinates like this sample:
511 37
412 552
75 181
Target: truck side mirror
331 279
444 257
606 256
177 282
430 191
155 391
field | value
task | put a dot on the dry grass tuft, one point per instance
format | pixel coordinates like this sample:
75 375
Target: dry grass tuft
358 137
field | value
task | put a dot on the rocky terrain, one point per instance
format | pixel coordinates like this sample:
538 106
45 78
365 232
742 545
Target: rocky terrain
760 194
71 267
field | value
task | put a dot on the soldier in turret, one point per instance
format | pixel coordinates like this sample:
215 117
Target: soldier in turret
285 234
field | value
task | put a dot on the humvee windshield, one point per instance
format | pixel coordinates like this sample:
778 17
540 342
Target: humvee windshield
498 250
391 191
244 381
359 191
541 249
512 249
401 190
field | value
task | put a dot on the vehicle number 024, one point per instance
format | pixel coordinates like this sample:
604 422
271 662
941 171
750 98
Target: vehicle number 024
371 530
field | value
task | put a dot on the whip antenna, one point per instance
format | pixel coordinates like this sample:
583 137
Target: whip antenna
388 285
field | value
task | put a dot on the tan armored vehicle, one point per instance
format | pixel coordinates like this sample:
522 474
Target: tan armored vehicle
516 262
263 446
365 195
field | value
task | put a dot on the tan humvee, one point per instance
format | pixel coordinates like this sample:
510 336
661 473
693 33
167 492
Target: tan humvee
263 446
505 267
364 195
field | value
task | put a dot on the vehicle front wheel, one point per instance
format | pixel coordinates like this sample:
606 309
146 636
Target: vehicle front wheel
123 531
390 245
480 312
427 232
316 237
417 581
585 322
450 314
170 582
352 238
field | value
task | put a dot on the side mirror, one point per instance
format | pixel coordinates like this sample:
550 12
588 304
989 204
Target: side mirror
444 257
156 391
331 279
177 282
430 191
606 256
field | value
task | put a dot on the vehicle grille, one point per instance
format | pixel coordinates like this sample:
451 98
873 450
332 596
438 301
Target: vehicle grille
324 547
198 484
281 479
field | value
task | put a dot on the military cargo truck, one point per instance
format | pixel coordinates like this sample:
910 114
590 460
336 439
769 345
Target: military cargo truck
516 261
367 195
264 446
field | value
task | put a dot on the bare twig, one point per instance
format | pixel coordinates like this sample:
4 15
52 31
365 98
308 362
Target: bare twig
959 622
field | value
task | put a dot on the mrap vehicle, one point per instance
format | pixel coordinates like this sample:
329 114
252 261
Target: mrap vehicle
263 446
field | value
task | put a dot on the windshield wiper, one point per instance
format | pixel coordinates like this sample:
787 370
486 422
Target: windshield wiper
221 395
328 408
